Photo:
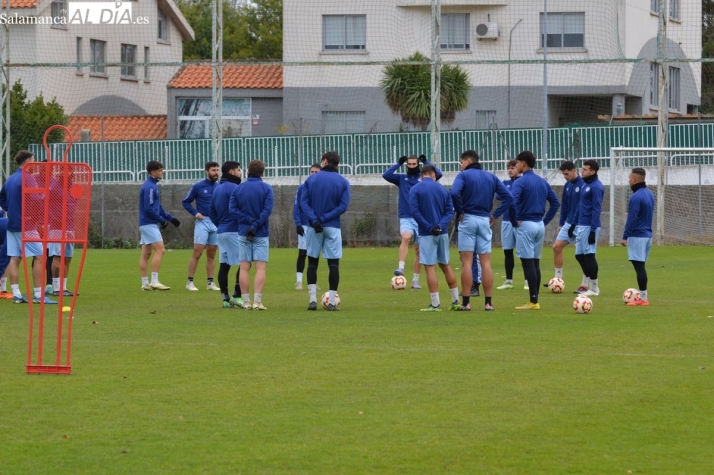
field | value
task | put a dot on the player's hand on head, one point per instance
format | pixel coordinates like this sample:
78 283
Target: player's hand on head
422 158
402 159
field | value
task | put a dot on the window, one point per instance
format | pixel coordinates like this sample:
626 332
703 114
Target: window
147 76
565 30
97 57
128 55
79 55
337 122
674 9
674 88
455 31
654 85
163 27
485 119
654 5
194 118
344 32
58 10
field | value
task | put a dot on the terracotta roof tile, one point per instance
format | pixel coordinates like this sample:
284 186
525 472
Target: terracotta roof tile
147 127
22 3
234 77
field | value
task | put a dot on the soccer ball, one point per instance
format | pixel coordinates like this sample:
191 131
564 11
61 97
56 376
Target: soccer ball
630 295
399 282
582 304
325 299
556 285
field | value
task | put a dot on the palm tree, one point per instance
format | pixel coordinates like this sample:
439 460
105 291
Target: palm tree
407 90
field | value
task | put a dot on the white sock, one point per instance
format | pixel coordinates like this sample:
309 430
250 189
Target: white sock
415 278
312 290
299 277
64 283
36 292
559 272
593 285
15 290
401 265
246 299
144 281
55 284
454 294
154 277
525 283
643 295
332 294
257 298
509 281
585 281
435 299
3 284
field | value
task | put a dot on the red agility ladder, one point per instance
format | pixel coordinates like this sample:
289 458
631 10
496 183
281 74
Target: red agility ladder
55 209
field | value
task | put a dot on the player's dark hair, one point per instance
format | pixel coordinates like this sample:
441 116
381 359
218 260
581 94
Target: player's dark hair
332 158
527 157
639 171
567 166
315 165
593 164
471 155
413 157
210 165
22 156
511 163
428 169
153 165
256 168
228 166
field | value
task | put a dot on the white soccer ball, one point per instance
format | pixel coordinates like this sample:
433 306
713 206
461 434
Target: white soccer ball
399 282
582 304
325 299
630 295
556 285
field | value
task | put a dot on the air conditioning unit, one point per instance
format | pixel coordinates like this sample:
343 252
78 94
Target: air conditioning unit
487 31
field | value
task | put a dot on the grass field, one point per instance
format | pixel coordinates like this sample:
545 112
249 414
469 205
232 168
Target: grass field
170 382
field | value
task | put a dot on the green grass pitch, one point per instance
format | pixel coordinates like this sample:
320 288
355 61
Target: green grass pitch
170 382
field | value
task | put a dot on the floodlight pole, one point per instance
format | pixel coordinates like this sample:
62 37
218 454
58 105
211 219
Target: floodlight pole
662 116
436 82
6 87
544 150
217 81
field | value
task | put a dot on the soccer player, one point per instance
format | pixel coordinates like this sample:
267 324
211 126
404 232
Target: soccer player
251 203
227 231
569 205
58 192
204 231
11 200
508 231
586 227
151 216
407 226
472 194
300 223
530 192
4 260
638 231
325 198
430 205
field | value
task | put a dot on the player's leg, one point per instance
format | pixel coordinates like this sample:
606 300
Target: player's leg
193 264
332 251
638 250
4 262
157 251
144 265
427 257
414 229
443 257
245 284
467 258
261 250
525 245
210 266
580 251
403 251
466 245
314 247
592 264
302 257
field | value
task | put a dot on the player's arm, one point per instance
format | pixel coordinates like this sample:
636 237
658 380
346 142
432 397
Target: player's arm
267 208
296 208
3 198
391 175
597 208
305 203
152 208
449 214
188 199
414 208
456 189
341 208
633 210
236 212
212 211
564 208
503 194
553 208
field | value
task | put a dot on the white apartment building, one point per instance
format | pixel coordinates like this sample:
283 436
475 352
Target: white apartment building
605 44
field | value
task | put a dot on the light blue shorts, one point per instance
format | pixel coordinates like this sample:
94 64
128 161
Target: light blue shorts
581 240
329 241
508 235
302 240
434 249
638 248
150 233
475 234
14 246
204 232
255 250
529 240
55 249
563 234
409 225
228 247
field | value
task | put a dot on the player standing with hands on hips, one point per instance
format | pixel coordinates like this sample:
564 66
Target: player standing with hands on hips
638 231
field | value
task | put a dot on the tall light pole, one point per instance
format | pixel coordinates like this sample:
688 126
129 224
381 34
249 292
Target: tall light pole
436 81
217 81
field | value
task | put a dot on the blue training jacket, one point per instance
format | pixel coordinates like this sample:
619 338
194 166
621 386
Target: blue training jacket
150 209
530 192
326 197
430 205
298 216
571 200
639 213
219 213
201 192
11 200
251 204
474 189
506 211
405 182
590 206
